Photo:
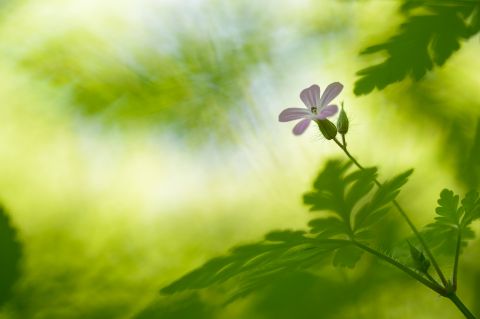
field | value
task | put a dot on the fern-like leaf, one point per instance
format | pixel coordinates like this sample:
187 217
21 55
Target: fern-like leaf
453 218
256 264
351 205
339 193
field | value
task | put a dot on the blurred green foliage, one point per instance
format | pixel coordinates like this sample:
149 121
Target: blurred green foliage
189 77
10 258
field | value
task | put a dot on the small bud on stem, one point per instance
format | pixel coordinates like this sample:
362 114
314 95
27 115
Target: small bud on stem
342 122
327 128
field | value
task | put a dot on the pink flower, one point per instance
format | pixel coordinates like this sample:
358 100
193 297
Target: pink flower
318 108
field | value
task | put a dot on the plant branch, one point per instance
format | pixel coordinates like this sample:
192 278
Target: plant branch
430 284
466 312
404 215
457 257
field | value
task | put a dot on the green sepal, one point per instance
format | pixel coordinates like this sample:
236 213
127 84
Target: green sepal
327 128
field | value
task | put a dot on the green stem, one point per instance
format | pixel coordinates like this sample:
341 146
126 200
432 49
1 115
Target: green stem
432 285
466 312
457 257
344 141
405 216
430 277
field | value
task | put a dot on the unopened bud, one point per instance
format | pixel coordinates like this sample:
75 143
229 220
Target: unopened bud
327 129
342 122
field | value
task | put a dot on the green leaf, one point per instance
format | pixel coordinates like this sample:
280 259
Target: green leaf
432 32
471 206
349 205
453 219
347 256
372 211
363 182
448 210
421 263
255 264
338 190
327 227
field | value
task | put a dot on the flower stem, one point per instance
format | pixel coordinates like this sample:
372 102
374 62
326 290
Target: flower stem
405 217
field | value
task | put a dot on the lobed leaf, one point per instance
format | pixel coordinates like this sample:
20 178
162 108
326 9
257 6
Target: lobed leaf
338 192
428 37
452 220
255 264
351 205
376 208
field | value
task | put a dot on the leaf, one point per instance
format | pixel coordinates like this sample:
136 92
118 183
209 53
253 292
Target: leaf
420 262
327 227
424 40
256 264
345 195
337 193
453 219
338 190
448 211
363 182
10 256
347 256
375 209
471 206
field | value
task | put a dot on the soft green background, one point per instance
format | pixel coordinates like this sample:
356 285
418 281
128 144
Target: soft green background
139 138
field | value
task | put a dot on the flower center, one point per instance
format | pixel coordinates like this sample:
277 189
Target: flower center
314 110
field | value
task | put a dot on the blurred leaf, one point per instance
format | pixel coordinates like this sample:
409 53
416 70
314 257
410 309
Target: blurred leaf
10 255
426 39
374 210
347 195
468 163
471 208
188 307
451 220
347 256
338 190
256 264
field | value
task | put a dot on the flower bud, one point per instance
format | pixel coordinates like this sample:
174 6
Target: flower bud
327 129
342 122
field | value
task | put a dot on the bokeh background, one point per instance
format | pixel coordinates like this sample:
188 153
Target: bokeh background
140 138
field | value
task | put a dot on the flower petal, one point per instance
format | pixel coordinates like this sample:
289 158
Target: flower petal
301 126
330 93
293 113
327 111
310 96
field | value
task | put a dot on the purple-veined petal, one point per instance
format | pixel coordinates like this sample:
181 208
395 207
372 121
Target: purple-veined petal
330 93
293 113
327 111
311 96
301 126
